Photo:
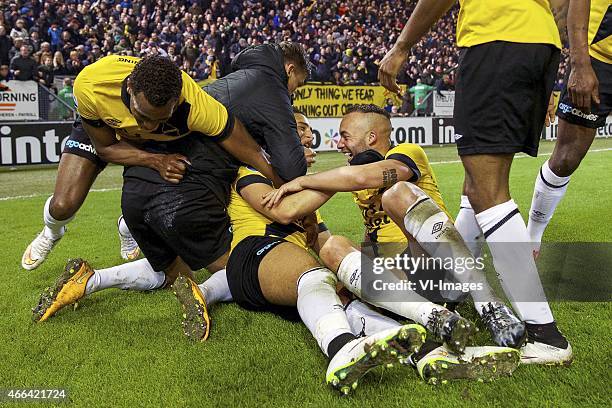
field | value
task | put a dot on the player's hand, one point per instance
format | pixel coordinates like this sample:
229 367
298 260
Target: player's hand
272 198
311 226
583 86
310 156
172 167
550 112
389 68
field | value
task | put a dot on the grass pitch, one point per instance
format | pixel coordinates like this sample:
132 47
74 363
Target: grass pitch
123 348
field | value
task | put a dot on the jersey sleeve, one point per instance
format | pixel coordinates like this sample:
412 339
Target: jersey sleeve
206 114
84 99
411 155
247 176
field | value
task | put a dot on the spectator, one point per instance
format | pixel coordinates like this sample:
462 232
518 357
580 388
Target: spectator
389 105
20 31
23 66
59 66
45 72
5 46
65 95
17 44
444 84
55 37
346 36
5 73
34 42
420 92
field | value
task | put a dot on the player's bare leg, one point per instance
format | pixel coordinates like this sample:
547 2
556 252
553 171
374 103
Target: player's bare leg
487 188
420 218
75 176
457 332
573 143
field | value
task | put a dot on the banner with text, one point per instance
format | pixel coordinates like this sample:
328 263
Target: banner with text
42 142
422 131
443 103
32 143
419 130
331 101
19 100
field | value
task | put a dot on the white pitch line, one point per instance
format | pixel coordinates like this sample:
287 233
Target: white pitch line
103 190
19 197
523 156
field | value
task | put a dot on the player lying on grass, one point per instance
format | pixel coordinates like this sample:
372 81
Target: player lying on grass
263 274
270 269
397 192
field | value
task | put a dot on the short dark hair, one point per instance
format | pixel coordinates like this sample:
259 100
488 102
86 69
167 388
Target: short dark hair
368 108
296 54
159 78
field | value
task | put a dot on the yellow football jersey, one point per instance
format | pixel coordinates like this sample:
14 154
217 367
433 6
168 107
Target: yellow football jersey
100 93
379 226
520 21
247 222
600 30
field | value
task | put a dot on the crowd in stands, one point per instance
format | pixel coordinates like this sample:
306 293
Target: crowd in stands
345 39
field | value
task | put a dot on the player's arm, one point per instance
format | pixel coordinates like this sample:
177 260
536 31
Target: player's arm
295 207
244 148
582 84
381 174
425 14
170 166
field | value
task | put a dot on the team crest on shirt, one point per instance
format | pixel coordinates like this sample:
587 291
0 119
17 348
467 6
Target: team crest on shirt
112 122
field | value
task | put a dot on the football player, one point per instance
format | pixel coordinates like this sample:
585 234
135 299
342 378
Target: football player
585 103
398 195
137 113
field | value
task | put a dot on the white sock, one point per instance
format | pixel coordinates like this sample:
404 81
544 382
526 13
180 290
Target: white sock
54 229
508 241
123 228
468 227
437 235
320 308
548 191
365 320
216 289
136 275
415 307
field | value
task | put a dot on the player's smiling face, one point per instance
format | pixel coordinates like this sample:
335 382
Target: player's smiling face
353 136
148 116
